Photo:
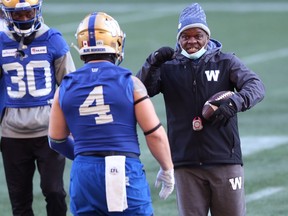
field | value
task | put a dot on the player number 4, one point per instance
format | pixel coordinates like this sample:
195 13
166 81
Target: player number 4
94 104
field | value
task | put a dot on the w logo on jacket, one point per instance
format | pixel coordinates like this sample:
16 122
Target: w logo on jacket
212 75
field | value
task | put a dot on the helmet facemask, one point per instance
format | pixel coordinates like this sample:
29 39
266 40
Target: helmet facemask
22 27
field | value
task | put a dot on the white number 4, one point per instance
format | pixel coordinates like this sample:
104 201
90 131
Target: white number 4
94 104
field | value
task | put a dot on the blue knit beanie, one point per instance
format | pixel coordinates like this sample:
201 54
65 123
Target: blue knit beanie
192 16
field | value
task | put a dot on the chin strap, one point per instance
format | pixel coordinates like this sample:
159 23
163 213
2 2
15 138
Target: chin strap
75 47
23 42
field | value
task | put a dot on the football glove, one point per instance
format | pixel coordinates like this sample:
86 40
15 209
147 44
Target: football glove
226 110
166 178
162 55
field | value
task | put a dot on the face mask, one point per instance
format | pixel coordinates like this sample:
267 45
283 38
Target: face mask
195 55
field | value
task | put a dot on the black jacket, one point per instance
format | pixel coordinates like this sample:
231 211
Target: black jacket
186 85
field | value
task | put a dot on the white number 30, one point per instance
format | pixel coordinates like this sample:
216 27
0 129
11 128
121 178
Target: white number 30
94 104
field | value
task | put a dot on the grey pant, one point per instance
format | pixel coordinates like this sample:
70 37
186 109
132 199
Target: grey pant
218 188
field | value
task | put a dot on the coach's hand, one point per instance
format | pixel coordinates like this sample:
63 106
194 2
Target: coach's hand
226 110
166 178
162 55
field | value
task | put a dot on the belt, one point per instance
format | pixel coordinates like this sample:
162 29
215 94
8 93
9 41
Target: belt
110 153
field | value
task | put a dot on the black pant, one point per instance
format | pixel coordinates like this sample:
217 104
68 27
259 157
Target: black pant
20 158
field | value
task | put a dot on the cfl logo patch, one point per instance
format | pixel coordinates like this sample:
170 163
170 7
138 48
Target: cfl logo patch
114 171
236 183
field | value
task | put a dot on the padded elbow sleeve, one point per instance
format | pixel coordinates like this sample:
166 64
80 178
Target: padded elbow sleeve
64 147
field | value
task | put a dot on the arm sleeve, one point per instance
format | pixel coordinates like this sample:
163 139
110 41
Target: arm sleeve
250 88
64 147
63 66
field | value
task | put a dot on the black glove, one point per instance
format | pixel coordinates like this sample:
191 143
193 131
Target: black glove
162 55
226 110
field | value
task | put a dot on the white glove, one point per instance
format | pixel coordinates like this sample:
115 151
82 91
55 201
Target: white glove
167 179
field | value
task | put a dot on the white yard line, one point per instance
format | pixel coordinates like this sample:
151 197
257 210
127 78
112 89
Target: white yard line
266 192
266 56
254 144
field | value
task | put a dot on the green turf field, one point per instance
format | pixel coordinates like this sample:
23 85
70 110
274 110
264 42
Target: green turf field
256 31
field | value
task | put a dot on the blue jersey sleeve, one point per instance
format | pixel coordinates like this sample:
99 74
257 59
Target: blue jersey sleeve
57 43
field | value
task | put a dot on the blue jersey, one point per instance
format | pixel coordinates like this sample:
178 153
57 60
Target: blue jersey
98 104
30 81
